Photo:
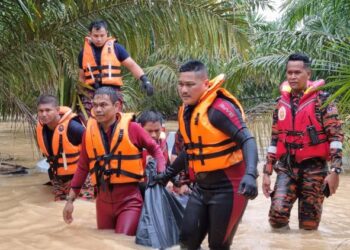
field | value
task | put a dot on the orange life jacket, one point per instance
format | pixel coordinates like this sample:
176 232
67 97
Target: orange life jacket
121 162
294 134
65 155
209 149
109 72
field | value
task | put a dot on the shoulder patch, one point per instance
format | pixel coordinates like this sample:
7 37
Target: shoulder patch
282 113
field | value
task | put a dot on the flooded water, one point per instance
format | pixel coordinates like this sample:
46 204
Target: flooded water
30 219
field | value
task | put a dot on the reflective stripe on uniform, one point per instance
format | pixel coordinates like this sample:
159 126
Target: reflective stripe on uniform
336 144
272 149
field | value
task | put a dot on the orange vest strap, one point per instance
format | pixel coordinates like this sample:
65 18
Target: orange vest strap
116 171
101 67
100 75
116 157
213 155
193 145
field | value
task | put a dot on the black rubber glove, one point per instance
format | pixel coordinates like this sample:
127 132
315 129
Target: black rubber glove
161 178
248 187
146 85
170 172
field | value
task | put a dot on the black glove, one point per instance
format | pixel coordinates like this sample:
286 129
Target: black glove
146 85
161 178
170 172
248 187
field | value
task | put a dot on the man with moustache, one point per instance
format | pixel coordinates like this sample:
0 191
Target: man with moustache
112 152
305 135
222 153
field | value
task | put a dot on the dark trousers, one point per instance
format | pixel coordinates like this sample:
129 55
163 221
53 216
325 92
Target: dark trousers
213 211
304 182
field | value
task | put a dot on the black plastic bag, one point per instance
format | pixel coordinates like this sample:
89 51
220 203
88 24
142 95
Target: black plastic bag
161 216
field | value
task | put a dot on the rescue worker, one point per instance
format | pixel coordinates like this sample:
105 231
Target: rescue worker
222 153
59 134
152 122
305 135
112 152
100 63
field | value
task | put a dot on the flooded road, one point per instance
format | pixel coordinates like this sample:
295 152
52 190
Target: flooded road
30 219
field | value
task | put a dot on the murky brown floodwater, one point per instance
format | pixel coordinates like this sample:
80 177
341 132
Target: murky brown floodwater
30 219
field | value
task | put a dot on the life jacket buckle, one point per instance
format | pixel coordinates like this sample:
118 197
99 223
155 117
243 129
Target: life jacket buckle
107 158
107 172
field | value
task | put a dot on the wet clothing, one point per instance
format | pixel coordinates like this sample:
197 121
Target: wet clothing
214 208
118 204
217 190
305 184
119 208
303 179
60 188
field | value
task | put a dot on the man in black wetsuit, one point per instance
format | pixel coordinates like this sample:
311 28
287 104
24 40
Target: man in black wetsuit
222 153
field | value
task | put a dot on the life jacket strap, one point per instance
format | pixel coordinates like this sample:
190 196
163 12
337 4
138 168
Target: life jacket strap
192 156
193 145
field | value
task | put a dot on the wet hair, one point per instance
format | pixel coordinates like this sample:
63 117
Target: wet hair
150 116
300 57
113 94
47 99
98 24
193 66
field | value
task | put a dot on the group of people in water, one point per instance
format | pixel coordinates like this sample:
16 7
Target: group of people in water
214 159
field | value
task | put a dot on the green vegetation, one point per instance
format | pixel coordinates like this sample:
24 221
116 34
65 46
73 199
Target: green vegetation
40 41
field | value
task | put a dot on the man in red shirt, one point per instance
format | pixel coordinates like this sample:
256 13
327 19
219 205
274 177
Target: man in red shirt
111 152
152 122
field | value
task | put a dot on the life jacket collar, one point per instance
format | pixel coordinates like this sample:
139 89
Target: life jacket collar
214 84
311 87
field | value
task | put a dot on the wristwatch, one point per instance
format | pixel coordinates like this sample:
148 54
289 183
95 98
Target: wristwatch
337 170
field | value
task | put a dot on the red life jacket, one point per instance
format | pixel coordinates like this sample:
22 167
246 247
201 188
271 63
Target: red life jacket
294 134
